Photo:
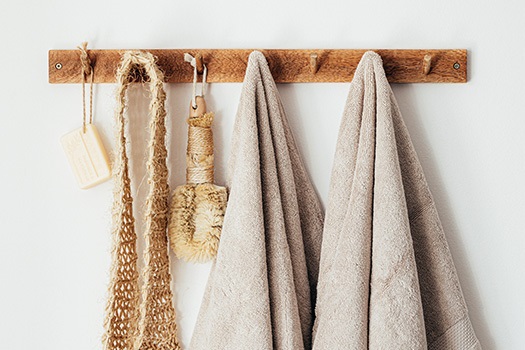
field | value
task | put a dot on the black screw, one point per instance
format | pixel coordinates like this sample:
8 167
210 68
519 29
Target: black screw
456 65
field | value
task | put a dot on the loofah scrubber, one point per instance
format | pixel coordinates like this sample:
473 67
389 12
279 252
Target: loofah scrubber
197 208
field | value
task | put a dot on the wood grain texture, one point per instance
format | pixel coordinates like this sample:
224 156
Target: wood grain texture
287 66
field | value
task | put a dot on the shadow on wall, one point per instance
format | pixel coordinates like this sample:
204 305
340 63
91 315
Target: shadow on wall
405 97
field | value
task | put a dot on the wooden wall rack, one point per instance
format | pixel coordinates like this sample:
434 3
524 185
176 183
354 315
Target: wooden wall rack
287 66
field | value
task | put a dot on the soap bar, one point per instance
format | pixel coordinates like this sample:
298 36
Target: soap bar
87 156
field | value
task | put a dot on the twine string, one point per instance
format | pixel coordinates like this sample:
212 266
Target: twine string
199 161
86 69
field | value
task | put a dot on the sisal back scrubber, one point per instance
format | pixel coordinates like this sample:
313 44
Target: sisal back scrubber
197 208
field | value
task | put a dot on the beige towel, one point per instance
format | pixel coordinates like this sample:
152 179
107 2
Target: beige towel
386 280
260 292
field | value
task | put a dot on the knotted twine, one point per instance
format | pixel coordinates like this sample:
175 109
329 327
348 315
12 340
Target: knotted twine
129 324
86 69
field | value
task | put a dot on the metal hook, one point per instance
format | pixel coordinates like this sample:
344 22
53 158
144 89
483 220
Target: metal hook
314 65
427 62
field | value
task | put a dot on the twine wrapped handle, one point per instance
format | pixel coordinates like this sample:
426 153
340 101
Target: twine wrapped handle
198 207
199 154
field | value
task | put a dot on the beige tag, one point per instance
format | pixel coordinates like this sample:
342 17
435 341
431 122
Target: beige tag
87 156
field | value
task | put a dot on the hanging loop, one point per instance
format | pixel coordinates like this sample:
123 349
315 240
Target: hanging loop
189 58
86 69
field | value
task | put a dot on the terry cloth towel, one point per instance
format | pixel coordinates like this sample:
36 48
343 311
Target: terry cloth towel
386 280
260 293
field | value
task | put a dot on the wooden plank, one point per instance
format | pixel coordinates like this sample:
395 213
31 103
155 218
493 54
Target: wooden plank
287 66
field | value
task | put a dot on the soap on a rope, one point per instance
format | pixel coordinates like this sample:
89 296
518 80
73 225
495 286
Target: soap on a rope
87 156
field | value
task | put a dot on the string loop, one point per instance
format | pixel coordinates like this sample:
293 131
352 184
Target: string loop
189 58
86 69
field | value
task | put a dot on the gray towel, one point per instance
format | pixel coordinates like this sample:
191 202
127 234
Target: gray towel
260 293
386 280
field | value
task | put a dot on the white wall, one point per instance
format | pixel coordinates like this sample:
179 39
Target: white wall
55 239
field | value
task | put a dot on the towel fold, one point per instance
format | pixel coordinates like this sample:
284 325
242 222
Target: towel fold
386 280
260 293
